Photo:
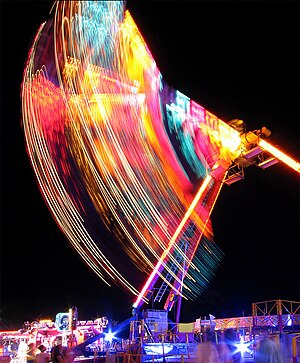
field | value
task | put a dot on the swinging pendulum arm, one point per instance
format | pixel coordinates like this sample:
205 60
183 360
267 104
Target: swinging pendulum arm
188 213
211 203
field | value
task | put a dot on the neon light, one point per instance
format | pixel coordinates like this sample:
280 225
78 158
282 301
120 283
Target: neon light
279 155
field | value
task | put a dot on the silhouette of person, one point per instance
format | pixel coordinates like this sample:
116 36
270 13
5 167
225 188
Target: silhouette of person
268 352
43 356
206 352
58 352
30 353
224 353
231 340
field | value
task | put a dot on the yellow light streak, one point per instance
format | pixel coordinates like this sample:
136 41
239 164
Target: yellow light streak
280 155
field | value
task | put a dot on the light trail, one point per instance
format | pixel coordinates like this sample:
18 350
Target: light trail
278 154
106 137
115 148
212 200
173 239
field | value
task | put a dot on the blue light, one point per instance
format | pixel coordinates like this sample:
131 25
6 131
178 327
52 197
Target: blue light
109 337
244 347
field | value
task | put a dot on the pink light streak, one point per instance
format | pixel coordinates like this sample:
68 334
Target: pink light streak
173 239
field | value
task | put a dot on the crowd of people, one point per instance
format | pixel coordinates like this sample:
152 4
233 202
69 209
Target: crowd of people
223 352
58 354
209 351
267 350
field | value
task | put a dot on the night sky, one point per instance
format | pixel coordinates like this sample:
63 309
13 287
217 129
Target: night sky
236 59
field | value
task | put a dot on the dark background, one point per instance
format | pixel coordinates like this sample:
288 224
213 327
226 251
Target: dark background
236 59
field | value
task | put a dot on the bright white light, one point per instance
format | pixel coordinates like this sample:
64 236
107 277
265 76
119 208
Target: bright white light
243 347
158 349
109 336
289 320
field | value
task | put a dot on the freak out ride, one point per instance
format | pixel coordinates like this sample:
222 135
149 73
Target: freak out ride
129 167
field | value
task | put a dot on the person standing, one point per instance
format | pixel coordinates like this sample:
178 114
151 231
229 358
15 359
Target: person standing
43 356
231 339
268 352
206 352
225 354
30 353
58 352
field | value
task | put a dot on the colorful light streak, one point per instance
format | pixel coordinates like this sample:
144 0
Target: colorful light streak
172 241
119 155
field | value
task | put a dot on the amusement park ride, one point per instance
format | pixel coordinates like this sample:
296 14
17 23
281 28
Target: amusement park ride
107 137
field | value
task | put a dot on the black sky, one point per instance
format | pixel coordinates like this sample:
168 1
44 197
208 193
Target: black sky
238 59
